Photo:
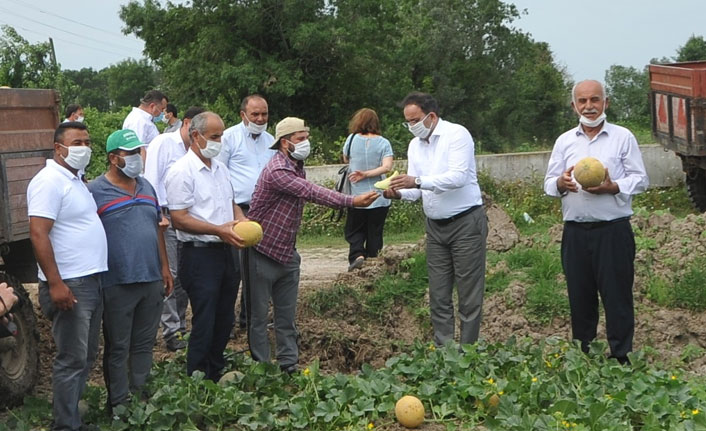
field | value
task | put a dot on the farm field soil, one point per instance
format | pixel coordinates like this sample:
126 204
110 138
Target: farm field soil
342 345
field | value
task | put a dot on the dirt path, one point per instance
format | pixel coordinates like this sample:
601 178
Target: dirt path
321 266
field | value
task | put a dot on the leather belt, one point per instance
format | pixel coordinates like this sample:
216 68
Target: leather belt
445 221
204 244
596 224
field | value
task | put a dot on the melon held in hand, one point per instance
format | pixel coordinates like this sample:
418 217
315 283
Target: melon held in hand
589 172
250 231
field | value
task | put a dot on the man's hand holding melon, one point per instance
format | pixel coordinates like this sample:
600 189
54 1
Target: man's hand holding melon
591 174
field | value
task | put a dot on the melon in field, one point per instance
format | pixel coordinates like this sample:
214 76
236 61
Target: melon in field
385 184
409 411
589 172
250 231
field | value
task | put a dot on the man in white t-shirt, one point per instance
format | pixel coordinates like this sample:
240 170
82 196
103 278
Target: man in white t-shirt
71 249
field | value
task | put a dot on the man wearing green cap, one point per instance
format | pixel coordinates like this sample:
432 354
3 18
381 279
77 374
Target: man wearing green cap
277 204
138 274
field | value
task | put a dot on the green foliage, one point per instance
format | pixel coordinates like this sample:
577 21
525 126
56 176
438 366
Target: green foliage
402 217
684 289
542 386
128 81
90 89
693 50
628 88
323 60
100 126
405 288
674 200
26 65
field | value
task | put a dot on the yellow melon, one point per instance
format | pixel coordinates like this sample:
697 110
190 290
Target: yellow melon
589 172
250 231
385 184
409 411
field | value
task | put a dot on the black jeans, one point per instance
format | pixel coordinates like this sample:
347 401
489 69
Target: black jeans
208 276
363 231
600 260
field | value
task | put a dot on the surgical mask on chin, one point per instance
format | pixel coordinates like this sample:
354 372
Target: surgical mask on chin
159 117
301 150
213 148
419 129
78 157
133 165
164 119
255 129
80 119
593 123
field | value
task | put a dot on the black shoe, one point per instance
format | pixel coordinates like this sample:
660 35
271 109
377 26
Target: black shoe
357 263
174 344
290 369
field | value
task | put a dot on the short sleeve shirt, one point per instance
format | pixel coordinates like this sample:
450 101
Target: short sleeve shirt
367 154
205 192
77 236
130 223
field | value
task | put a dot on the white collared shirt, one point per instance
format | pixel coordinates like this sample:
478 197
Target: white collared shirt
447 167
617 149
162 153
141 123
205 192
77 236
245 158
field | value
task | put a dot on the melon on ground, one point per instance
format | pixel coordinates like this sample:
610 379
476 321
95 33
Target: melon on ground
409 411
250 231
589 172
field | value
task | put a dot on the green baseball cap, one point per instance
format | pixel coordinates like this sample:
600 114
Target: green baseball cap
124 139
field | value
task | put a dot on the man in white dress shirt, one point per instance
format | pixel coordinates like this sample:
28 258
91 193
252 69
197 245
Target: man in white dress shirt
598 246
246 151
442 171
166 149
203 212
141 119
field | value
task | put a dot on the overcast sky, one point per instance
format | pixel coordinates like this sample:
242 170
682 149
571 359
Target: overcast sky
586 37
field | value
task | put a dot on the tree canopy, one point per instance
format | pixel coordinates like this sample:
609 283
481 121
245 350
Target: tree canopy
324 59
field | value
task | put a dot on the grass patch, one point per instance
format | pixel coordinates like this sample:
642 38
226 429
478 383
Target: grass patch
686 290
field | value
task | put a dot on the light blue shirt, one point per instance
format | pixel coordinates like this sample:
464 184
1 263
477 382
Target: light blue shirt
617 149
245 158
446 165
367 154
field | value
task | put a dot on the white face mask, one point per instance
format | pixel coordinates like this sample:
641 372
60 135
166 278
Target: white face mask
593 123
78 157
255 129
80 119
213 148
165 119
419 129
133 165
301 150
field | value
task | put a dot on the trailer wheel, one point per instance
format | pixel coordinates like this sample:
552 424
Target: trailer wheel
696 187
19 354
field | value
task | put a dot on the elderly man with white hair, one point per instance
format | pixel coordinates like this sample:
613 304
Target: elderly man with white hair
597 246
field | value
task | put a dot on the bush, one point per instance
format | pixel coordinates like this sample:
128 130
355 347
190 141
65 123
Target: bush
100 126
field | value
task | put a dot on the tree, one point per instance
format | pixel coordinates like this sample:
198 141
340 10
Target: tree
693 50
128 81
323 59
628 89
26 65
91 88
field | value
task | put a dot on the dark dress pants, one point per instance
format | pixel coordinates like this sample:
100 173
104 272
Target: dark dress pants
599 259
208 275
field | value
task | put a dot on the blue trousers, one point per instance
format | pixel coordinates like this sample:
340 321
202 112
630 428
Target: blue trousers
76 337
209 276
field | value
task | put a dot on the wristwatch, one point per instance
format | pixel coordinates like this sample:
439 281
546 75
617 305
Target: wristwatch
418 182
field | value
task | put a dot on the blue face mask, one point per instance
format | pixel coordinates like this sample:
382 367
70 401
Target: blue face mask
158 118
